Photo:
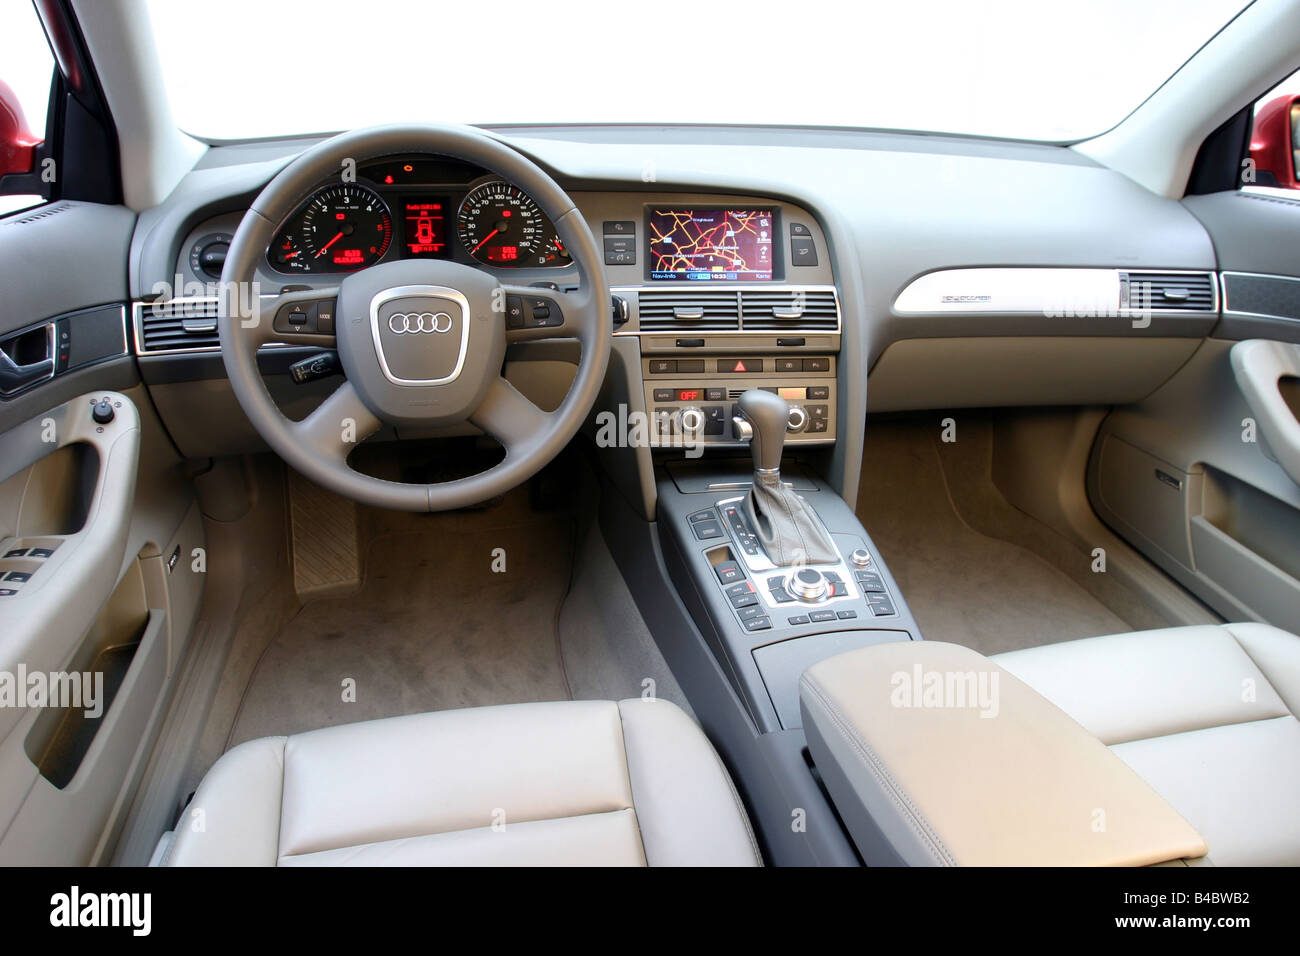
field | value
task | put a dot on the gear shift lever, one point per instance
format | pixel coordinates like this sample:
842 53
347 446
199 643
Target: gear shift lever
785 523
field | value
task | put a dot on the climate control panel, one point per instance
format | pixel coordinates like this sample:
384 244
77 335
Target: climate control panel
694 399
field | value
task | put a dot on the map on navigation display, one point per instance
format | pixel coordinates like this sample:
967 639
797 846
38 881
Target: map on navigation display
711 244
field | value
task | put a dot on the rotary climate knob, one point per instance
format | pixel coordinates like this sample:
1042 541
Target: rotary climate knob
807 584
692 420
797 419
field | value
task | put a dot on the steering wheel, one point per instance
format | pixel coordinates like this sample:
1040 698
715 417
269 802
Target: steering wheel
421 341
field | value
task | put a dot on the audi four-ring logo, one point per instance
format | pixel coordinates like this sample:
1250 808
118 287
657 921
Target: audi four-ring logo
415 323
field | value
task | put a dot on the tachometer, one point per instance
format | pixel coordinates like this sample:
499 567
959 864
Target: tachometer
501 225
343 228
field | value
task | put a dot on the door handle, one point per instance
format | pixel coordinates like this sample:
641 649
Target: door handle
15 374
1259 366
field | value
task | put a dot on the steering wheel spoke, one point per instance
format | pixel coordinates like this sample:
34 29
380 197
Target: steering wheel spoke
536 312
337 425
511 418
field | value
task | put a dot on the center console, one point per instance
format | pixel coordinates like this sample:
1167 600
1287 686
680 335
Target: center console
777 569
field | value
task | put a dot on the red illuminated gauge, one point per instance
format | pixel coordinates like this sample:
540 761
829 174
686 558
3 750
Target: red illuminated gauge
343 228
500 225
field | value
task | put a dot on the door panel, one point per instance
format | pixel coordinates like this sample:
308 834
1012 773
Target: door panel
98 528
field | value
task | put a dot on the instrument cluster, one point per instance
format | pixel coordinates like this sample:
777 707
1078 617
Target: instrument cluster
416 208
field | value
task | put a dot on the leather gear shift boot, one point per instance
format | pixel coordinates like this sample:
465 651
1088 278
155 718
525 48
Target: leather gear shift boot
786 525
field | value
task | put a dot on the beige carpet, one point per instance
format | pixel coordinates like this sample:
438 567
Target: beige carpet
963 586
433 626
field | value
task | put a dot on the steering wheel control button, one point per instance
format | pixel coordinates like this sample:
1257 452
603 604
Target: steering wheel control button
514 312
323 312
807 584
102 411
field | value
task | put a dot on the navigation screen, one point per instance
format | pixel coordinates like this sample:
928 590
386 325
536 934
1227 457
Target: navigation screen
711 244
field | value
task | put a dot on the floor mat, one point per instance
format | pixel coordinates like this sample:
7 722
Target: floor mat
433 626
963 586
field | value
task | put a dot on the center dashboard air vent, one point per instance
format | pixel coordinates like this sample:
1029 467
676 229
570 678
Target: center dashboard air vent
766 310
178 325
689 310
1167 291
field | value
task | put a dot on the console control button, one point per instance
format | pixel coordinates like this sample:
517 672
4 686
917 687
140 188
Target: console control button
729 572
40 552
860 557
820 617
664 394
715 394
869 581
807 584
819 393
700 516
704 530
16 553
802 251
846 615
739 365
758 624
799 619
799 229
883 610
817 365
18 576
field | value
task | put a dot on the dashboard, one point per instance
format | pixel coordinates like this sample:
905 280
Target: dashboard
406 207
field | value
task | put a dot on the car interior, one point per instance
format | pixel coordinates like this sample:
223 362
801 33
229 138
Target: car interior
670 493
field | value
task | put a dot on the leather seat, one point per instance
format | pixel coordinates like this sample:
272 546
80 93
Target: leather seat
1205 715
573 782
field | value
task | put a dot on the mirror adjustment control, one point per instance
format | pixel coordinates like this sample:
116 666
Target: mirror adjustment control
102 411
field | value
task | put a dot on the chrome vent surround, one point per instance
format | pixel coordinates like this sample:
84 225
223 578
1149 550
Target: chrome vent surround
177 325
769 309
689 310
1167 291
776 310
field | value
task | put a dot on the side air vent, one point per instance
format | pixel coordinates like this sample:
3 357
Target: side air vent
688 310
178 324
813 310
1167 291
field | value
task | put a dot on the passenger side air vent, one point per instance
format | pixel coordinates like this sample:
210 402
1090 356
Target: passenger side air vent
688 310
812 310
1167 291
178 324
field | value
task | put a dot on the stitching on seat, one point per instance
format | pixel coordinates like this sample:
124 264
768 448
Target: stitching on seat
731 786
1263 673
627 769
912 815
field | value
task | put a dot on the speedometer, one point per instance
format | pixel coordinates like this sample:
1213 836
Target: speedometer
501 225
343 228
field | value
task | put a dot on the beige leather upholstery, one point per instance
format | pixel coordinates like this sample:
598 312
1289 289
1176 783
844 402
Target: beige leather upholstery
934 755
1206 715
567 783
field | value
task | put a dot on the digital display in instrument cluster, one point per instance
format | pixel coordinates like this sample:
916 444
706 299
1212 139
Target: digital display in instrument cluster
426 227
711 245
